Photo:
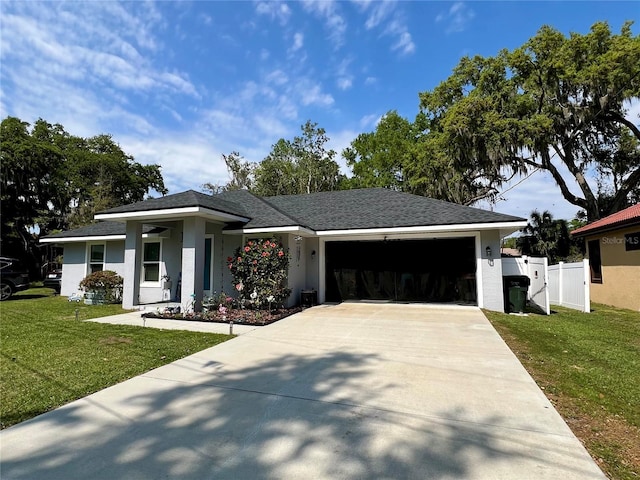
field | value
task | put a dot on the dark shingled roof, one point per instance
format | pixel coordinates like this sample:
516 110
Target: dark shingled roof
190 198
102 229
379 208
262 213
341 210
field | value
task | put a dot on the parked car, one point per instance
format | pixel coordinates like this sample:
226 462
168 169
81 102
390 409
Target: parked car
13 277
53 280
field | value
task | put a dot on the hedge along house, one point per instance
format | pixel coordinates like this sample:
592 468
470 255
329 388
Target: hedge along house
613 249
366 244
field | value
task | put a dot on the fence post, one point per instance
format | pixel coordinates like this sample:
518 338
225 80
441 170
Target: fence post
546 285
587 289
560 282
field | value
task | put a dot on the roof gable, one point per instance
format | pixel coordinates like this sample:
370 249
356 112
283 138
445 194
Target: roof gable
190 198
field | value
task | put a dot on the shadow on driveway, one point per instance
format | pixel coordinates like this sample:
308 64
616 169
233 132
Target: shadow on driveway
331 394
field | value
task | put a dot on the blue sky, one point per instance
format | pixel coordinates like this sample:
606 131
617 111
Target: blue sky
181 83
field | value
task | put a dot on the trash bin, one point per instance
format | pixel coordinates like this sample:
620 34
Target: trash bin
515 292
308 298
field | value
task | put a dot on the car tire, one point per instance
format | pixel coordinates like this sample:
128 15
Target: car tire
6 290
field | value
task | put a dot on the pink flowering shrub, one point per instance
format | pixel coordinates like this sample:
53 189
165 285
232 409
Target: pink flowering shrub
260 270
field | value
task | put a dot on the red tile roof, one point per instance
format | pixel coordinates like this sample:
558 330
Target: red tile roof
628 216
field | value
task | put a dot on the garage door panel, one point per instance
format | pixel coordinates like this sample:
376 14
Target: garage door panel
440 270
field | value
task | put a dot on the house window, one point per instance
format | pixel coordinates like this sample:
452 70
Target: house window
151 262
632 241
96 257
595 262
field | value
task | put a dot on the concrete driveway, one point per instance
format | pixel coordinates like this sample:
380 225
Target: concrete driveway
347 391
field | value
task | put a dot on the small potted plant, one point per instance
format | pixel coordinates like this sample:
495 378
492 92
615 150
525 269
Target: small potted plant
102 287
166 282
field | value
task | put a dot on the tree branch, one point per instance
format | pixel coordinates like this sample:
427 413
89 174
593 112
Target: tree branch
616 117
566 193
590 202
620 197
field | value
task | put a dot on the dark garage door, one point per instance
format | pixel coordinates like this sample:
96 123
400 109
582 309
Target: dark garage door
437 270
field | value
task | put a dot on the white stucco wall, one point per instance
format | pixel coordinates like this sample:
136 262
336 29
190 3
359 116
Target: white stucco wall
75 268
312 277
297 267
492 294
228 245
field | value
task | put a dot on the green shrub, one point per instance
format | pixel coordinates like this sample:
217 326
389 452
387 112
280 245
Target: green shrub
107 283
260 269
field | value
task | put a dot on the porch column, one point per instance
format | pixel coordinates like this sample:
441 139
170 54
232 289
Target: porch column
132 255
192 263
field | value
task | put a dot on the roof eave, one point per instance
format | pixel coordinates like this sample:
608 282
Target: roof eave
606 228
172 213
93 238
505 228
271 230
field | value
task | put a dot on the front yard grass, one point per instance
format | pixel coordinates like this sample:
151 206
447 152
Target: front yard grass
48 359
588 364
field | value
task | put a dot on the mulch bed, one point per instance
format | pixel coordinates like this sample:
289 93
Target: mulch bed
237 316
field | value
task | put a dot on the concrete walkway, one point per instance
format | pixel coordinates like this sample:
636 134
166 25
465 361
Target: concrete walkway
347 391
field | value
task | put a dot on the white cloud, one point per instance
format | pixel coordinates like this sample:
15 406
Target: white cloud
384 15
334 21
311 93
338 141
457 18
279 11
64 66
277 77
186 161
370 81
404 44
370 121
344 79
298 42
344 83
379 12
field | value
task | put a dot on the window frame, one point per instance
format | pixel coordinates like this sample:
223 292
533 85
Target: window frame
143 263
88 258
595 260
632 241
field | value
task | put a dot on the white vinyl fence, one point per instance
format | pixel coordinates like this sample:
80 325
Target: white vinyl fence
536 269
569 285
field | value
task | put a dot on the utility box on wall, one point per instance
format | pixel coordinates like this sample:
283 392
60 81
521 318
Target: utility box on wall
308 298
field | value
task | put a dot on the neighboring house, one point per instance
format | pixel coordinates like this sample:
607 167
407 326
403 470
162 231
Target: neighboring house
613 249
510 252
368 244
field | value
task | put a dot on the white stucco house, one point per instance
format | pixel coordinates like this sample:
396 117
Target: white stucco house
366 244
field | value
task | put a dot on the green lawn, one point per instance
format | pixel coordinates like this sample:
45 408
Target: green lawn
47 358
589 366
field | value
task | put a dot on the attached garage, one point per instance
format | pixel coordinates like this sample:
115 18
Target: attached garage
362 244
440 270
